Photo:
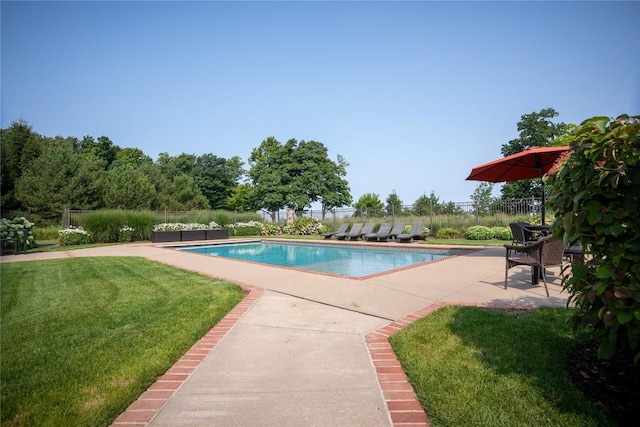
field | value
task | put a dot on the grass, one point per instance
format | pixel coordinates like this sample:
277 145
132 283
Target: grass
476 367
82 338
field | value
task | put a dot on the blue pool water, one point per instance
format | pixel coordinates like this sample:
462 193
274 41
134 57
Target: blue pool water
334 259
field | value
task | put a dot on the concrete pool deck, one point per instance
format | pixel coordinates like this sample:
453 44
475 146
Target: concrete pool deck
306 349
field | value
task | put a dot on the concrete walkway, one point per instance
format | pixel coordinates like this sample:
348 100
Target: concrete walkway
310 349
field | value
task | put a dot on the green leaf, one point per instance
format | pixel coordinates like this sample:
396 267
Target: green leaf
624 317
604 272
606 349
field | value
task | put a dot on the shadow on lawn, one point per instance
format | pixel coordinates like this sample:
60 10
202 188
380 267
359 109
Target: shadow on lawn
509 345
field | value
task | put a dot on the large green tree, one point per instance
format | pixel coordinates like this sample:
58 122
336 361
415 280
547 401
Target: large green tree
536 130
19 145
60 178
482 198
336 192
217 178
103 148
368 204
394 204
182 193
268 175
128 187
242 199
296 174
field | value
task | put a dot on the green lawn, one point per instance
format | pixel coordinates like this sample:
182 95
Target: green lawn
82 338
477 367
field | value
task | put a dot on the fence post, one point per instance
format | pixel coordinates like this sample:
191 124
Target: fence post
475 208
431 217
65 218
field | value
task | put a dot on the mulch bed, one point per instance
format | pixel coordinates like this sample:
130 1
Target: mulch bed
613 385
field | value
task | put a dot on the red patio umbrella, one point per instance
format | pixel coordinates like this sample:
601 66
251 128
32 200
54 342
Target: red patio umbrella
528 164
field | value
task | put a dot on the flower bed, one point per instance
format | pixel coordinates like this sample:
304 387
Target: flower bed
182 232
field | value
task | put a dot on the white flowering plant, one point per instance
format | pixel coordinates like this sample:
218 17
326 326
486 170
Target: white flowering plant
303 226
75 236
125 234
251 228
18 226
181 226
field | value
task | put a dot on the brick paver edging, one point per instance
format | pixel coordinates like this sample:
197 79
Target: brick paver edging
148 405
402 403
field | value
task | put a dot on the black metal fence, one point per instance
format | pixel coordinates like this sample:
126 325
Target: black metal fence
448 215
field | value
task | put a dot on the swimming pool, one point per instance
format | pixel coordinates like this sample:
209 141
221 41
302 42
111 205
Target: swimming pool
341 260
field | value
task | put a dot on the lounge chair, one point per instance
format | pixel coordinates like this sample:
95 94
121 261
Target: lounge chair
368 228
395 231
416 232
355 228
546 252
384 230
341 229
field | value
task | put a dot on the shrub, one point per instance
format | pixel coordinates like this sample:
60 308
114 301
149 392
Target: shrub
125 234
502 233
447 233
270 229
479 232
303 226
46 233
407 229
222 218
75 236
104 225
595 193
7 228
142 223
251 228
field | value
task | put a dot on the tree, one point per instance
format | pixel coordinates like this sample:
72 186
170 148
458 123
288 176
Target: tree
295 175
482 198
536 130
19 145
216 178
269 176
132 157
60 178
128 187
394 204
103 149
182 193
425 205
368 204
595 193
335 191
242 199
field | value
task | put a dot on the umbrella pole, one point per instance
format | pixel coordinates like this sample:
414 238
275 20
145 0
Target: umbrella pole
543 203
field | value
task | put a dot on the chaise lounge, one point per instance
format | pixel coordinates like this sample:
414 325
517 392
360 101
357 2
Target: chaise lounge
395 231
384 230
341 229
355 235
355 229
416 232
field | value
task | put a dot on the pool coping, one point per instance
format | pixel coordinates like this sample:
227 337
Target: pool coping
354 243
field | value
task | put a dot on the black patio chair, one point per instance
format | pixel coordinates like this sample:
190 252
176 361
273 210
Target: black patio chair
546 252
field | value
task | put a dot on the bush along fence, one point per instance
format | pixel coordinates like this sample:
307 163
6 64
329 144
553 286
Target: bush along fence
16 235
458 215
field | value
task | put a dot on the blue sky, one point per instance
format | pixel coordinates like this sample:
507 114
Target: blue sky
412 94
